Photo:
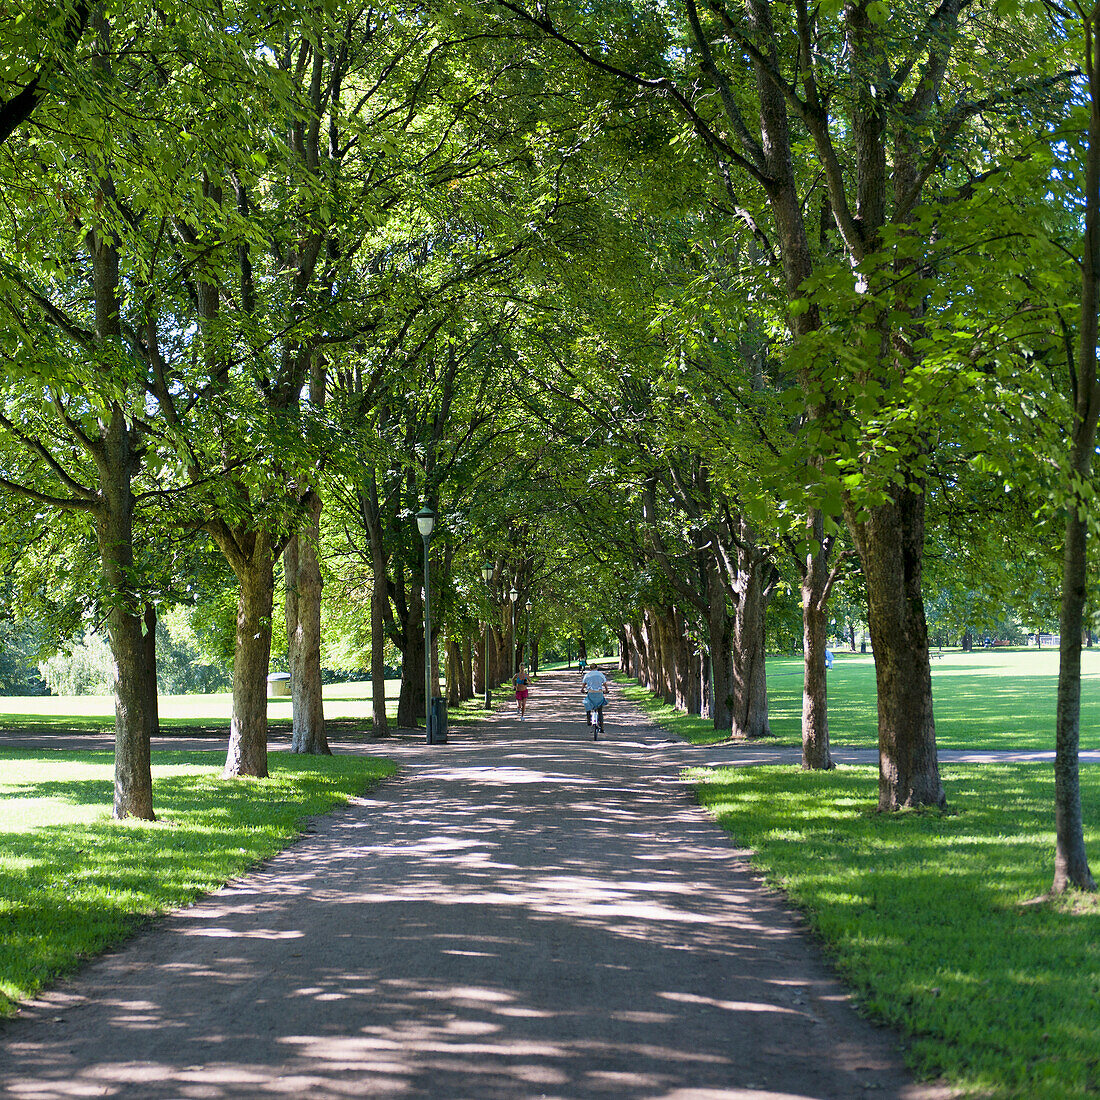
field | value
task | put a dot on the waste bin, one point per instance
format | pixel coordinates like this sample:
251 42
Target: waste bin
437 735
278 684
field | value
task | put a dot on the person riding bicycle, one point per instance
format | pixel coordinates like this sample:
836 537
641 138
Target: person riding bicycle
595 685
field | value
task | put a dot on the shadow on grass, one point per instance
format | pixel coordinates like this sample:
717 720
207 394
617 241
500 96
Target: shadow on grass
923 914
69 890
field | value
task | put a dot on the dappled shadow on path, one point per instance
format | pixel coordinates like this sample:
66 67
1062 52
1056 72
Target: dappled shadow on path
522 913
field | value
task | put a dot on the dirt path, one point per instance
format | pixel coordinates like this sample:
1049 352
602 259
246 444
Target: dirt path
520 913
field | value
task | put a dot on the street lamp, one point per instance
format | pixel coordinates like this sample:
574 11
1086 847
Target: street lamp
530 654
487 576
512 656
425 521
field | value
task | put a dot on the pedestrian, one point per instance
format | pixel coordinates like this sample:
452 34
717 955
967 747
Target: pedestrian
521 681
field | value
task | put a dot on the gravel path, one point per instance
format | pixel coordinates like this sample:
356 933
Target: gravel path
519 913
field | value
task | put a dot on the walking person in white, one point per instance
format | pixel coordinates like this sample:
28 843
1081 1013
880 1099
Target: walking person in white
595 685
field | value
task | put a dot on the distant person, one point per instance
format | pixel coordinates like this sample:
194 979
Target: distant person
581 662
521 682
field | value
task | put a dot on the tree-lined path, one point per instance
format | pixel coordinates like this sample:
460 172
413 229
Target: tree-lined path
520 913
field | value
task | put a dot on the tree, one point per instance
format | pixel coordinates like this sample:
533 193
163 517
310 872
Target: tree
1071 867
49 36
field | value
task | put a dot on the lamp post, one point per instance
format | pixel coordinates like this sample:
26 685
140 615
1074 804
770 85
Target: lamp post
512 656
487 576
530 654
425 521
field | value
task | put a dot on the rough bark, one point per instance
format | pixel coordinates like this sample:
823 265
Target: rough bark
815 706
255 571
480 663
133 794
466 669
666 636
452 672
1071 865
303 622
149 672
748 675
379 722
720 638
685 670
891 544
410 702
498 654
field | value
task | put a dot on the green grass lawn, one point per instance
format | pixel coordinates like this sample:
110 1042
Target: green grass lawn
348 713
73 881
926 915
343 703
988 699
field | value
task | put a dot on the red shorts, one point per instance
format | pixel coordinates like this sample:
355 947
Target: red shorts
521 693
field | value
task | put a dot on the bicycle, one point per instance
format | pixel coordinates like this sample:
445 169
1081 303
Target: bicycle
594 711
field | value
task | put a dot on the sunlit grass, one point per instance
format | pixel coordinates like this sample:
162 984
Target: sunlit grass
342 701
988 699
699 731
924 914
73 881
348 713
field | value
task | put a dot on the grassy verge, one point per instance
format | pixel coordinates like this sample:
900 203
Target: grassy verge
73 881
925 915
692 728
989 699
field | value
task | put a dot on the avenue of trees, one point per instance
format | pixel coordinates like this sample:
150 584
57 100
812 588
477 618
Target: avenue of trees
690 320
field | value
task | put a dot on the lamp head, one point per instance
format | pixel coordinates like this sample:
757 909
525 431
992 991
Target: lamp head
529 605
487 572
425 521
514 594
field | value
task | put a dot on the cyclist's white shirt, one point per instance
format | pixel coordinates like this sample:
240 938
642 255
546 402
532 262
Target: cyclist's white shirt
594 680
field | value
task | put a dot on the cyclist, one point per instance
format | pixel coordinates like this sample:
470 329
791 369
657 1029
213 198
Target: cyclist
595 685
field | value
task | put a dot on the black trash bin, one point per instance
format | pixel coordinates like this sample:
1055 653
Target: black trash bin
437 735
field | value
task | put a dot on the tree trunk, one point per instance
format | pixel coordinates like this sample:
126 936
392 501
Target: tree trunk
496 656
480 663
252 656
695 674
379 721
748 674
815 704
967 641
684 678
411 703
666 633
149 657
452 672
1071 865
303 622
719 638
133 795
466 656
891 545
